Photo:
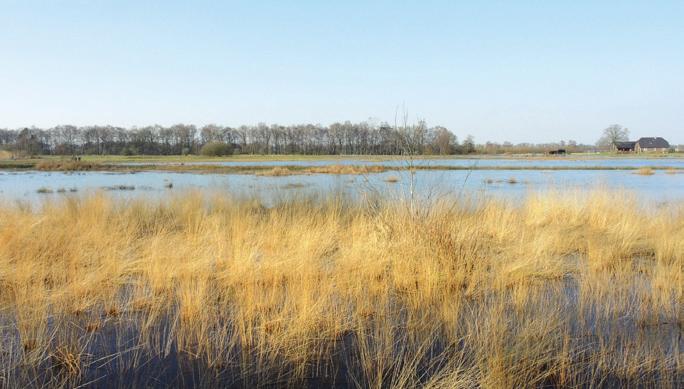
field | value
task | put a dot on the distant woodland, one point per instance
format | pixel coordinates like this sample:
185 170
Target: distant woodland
181 139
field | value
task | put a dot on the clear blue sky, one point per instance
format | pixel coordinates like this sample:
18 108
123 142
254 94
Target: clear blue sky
519 71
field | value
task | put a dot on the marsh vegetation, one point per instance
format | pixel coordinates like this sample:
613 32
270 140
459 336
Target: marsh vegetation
561 290
67 165
645 171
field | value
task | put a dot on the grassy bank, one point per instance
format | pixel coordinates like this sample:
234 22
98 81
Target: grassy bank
157 159
198 167
208 291
376 158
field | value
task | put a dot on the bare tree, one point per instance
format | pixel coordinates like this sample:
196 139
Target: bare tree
612 134
210 133
443 141
468 145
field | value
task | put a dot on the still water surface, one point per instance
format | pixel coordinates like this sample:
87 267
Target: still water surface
515 184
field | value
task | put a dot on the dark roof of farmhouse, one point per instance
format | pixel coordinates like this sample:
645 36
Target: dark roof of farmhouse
653 143
625 145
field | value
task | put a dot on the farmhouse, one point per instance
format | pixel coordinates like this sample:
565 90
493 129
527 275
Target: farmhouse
651 145
643 145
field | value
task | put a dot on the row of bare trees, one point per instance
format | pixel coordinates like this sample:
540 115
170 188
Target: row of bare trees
337 138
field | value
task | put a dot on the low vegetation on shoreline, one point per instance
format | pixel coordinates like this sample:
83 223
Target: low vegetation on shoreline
280 171
560 290
67 165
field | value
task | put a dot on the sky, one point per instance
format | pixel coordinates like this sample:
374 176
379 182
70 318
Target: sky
519 71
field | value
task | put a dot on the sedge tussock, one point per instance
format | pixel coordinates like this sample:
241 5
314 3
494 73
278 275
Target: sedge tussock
645 171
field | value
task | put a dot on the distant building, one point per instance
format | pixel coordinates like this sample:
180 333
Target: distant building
643 145
651 145
624 147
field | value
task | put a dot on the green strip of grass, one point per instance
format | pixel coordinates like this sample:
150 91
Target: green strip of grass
303 169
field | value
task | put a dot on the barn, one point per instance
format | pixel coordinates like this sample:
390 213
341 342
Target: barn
652 145
624 147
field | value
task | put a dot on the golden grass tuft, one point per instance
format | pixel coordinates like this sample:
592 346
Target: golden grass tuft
347 169
645 171
276 172
280 171
559 290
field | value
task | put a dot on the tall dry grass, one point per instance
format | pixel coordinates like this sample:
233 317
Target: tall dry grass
280 171
198 290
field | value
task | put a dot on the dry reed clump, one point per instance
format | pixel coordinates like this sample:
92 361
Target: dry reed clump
347 169
279 171
276 172
44 190
119 187
293 185
645 171
561 290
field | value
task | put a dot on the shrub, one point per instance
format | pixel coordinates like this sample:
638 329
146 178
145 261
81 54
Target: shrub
216 149
129 150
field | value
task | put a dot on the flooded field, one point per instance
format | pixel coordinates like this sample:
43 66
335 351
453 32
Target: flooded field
661 185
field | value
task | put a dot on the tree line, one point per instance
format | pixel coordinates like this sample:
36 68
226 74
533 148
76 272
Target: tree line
338 138
182 139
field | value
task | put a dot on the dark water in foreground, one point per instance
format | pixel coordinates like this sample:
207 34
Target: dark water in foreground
120 354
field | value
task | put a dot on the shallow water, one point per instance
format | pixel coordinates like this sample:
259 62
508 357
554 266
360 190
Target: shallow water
515 184
121 354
